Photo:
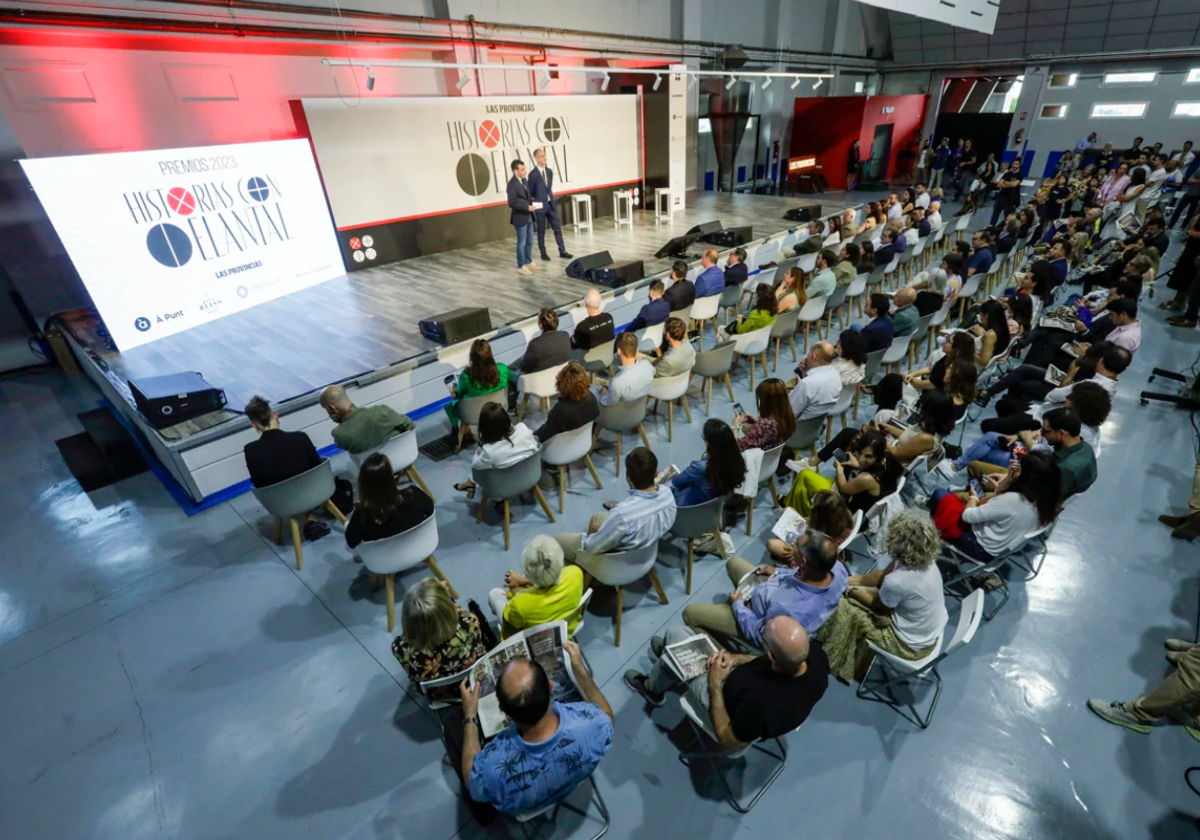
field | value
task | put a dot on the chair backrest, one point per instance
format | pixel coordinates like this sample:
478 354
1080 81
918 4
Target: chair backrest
877 235
770 463
942 314
541 384
652 335
920 246
716 361
922 329
831 240
765 276
298 494
601 352
994 268
876 275
697 520
813 309
881 503
401 451
838 296
731 296
874 358
963 223
470 408
856 526
753 342
785 323
706 307
807 432
670 387
968 621
507 482
857 286
862 236
580 612
620 568
906 257
568 447
970 285
898 349
684 314
939 234
891 266
844 399
808 262
766 253
622 416
401 551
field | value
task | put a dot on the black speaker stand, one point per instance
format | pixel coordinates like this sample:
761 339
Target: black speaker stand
1190 400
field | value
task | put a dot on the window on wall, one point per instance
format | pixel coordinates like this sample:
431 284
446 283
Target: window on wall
1063 80
1193 76
1186 109
1053 112
1141 77
858 87
1118 110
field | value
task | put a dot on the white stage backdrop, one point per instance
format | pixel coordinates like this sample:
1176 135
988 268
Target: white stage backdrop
387 160
167 240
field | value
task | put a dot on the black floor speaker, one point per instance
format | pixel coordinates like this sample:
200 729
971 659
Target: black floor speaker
618 274
730 237
705 228
456 325
580 266
803 214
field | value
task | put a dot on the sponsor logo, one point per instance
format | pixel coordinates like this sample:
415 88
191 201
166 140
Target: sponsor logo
510 132
361 249
243 292
141 324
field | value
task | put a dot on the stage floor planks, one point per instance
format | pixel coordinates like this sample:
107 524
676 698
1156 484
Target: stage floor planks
368 320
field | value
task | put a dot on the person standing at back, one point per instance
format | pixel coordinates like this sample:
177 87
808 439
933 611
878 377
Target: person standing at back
276 455
541 185
521 209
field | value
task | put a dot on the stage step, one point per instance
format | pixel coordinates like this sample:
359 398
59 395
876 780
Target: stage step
103 453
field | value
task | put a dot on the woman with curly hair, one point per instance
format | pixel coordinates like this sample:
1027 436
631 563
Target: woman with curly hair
576 405
900 609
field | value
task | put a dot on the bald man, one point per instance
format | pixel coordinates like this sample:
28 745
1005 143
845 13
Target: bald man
360 429
747 697
712 279
548 748
905 316
597 328
820 384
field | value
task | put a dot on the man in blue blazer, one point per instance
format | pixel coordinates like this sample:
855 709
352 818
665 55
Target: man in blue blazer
541 185
520 203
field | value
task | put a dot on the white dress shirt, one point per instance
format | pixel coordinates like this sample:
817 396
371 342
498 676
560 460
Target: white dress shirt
816 393
922 201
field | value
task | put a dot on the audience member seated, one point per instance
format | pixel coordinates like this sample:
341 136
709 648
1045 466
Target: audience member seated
711 280
905 317
909 387
634 374
639 520
745 697
682 292
791 294
775 423
276 455
548 591
597 328
846 268
849 228
438 637
880 330
935 420
811 243
1025 499
991 331
851 361
761 315
866 475
360 429
542 735
870 217
718 472
1060 434
828 514
678 354
934 215
655 311
900 609
736 270
953 264
483 375
384 510
809 595
501 444
887 249
823 281
550 349
1007 239
576 404
819 385
931 291
982 255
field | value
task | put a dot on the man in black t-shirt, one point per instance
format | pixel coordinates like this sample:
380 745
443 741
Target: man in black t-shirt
746 697
1008 194
596 328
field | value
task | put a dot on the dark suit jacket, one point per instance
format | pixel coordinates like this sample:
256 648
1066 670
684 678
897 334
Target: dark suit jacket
568 415
654 312
681 295
278 455
518 202
593 331
542 190
545 351
735 275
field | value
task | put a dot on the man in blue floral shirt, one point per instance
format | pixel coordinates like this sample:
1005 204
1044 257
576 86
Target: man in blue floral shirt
547 751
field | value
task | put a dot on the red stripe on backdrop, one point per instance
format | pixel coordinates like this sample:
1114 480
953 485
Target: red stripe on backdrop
472 207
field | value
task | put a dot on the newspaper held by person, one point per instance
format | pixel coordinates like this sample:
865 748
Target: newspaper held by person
689 658
790 526
751 581
543 644
1055 376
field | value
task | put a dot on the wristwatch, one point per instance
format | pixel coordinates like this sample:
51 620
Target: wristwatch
473 720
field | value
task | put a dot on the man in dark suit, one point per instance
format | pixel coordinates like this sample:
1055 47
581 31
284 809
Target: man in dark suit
682 292
550 349
736 270
656 310
541 185
522 208
277 455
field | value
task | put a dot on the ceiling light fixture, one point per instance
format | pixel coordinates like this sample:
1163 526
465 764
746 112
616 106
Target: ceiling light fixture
464 78
796 83
370 79
817 83
766 83
604 84
657 82
545 80
733 80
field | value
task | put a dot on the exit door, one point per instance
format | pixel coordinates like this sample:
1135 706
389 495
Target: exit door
881 153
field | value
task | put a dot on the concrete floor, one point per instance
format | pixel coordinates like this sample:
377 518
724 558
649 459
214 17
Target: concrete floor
167 677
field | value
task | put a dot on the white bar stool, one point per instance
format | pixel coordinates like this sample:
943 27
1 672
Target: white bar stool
581 210
622 208
662 204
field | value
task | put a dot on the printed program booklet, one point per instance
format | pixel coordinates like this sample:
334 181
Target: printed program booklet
790 526
689 658
1055 376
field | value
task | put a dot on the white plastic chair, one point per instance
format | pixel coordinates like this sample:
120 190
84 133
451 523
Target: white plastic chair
502 484
753 346
968 290
856 527
564 449
935 324
834 305
295 497
395 554
766 476
899 671
807 262
704 310
401 451
621 568
540 385
672 389
898 350
550 811
650 339
845 398
964 222
580 613
694 521
812 311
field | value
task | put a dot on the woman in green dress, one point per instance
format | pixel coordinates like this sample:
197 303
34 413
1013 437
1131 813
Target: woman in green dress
483 375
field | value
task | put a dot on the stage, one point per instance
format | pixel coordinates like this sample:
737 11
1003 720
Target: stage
361 329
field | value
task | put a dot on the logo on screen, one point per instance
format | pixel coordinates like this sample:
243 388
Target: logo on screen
488 146
551 129
181 201
489 134
169 245
141 324
473 175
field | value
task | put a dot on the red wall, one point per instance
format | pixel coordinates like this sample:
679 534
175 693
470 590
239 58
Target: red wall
826 127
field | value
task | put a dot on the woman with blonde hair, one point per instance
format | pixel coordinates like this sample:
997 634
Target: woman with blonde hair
438 637
548 591
900 609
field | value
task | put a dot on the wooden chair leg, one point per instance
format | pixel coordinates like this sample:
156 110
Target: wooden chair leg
688 590
562 486
807 324
620 609
296 543
641 430
792 341
482 507
620 435
537 494
828 428
277 530
857 396
729 386
670 421
420 482
750 517
762 359
708 401
462 433
587 459
658 588
751 374
522 407
687 410
391 601
437 572
332 508
506 523
778 342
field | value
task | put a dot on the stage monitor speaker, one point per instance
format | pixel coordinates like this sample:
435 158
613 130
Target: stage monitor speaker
580 266
730 237
705 228
167 400
456 325
803 214
618 274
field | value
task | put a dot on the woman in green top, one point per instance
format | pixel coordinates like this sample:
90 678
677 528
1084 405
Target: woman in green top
762 315
482 376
